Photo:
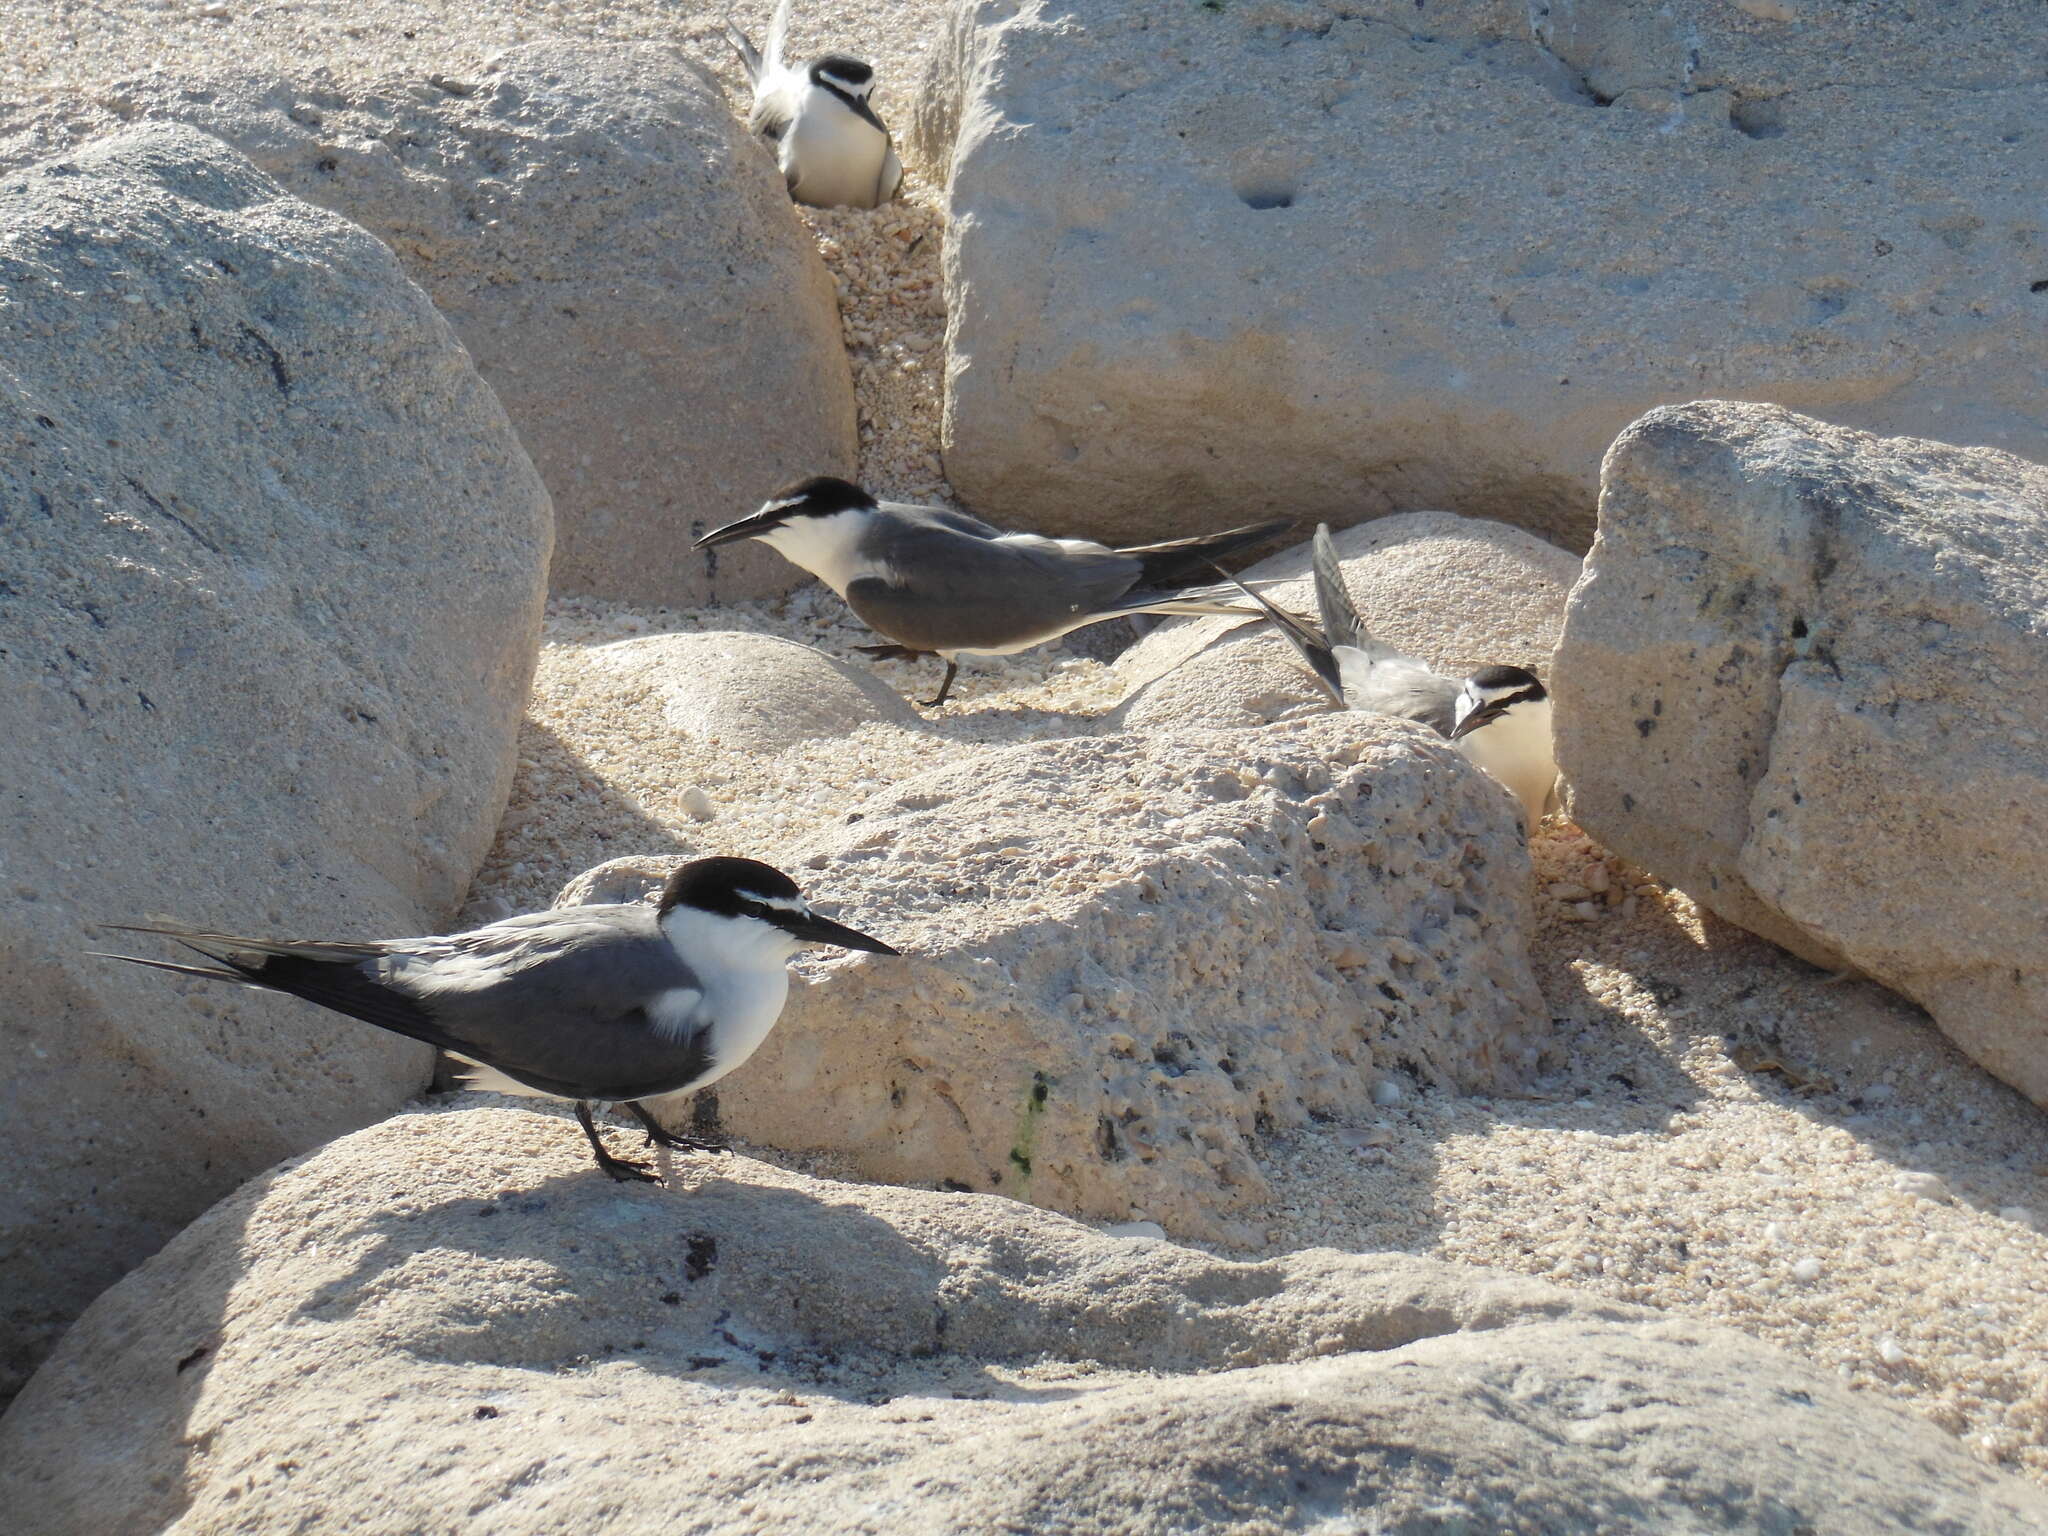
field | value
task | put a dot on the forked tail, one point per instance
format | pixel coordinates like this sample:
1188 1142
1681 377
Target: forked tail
331 975
1171 563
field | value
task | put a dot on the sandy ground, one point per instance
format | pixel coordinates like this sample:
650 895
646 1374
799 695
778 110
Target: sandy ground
1733 1135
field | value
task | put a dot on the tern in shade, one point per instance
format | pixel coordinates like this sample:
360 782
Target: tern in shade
942 583
616 1003
834 151
1498 716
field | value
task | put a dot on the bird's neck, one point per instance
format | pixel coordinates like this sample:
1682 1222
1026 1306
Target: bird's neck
730 956
1516 749
828 547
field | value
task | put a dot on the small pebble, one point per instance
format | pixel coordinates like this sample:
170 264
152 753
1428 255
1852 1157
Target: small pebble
1386 1093
1889 1352
1149 1230
1925 1186
697 805
1806 1270
2022 1214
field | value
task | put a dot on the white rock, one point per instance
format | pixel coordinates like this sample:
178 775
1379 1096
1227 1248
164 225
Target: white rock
592 1356
1386 1093
2022 1214
1922 1186
696 804
619 258
1806 1270
1889 1351
271 570
1148 1230
1793 683
1440 256
751 693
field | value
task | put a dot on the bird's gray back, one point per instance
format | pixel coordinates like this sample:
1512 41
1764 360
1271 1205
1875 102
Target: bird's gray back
1393 684
558 997
952 583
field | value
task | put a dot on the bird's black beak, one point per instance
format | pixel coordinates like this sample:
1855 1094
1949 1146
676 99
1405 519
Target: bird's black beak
813 929
752 526
1479 717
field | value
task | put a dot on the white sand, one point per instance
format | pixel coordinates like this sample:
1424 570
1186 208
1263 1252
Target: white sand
1667 1162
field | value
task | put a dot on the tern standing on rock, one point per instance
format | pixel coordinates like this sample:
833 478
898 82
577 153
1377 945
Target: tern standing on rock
619 1003
1499 717
941 583
833 150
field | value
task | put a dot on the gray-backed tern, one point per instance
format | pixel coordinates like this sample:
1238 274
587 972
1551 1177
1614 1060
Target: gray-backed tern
1499 716
617 1003
834 151
942 583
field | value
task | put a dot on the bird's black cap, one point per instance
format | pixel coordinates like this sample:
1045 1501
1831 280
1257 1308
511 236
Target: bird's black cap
747 888
819 496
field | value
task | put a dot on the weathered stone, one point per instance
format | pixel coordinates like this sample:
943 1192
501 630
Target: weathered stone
1460 592
454 1312
1804 678
271 569
1130 958
619 258
1341 259
760 693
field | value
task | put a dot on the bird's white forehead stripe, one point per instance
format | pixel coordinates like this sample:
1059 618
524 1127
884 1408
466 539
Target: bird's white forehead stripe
790 904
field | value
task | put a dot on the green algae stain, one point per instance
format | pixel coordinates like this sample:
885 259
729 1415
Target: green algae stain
1027 1130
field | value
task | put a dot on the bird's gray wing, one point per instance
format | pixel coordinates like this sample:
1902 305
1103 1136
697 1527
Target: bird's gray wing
773 111
750 61
944 517
1393 684
945 588
1307 641
561 1000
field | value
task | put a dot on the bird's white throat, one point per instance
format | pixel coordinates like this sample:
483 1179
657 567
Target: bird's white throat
743 964
828 547
1515 748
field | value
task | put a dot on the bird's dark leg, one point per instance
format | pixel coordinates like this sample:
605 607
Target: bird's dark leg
660 1135
614 1167
944 688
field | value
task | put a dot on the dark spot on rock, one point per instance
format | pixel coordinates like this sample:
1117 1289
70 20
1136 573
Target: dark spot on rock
194 1358
705 1362
701 1258
1645 726
484 1411
1628 802
954 1186
1106 1141
671 1298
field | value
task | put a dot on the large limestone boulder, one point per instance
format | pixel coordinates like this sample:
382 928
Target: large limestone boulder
1805 678
1460 592
620 260
1337 259
453 1312
1131 957
271 570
